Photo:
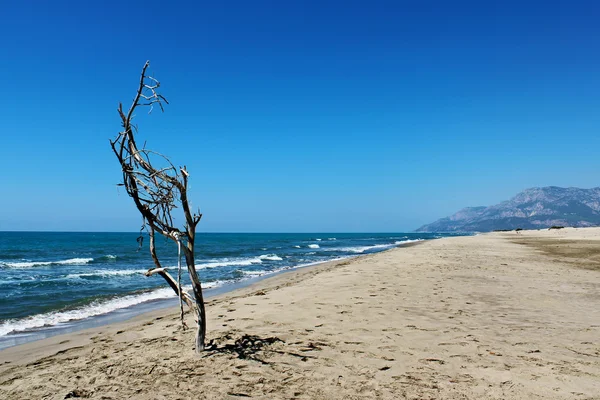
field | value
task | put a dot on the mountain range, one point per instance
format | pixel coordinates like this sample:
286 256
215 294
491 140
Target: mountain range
533 208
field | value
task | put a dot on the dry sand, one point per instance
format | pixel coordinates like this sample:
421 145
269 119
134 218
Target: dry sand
495 316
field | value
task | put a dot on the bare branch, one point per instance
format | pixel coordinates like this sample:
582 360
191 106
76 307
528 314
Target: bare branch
156 192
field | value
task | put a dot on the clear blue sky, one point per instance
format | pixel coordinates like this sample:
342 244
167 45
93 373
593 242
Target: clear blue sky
298 115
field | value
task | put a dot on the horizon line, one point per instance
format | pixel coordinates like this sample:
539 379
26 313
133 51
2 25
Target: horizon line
228 232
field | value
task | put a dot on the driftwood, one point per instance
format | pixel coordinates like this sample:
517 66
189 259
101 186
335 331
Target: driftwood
157 192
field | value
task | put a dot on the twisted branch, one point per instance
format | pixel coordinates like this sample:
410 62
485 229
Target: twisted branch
156 192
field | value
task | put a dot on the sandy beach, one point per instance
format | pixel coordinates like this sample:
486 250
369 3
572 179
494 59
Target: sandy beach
494 316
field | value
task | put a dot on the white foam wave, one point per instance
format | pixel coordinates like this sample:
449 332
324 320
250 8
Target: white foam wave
252 274
313 246
297 247
107 273
360 249
408 241
322 262
318 240
208 285
255 273
331 239
31 264
225 262
91 310
110 256
270 257
235 262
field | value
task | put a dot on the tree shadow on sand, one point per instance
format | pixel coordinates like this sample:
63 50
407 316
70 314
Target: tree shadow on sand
248 347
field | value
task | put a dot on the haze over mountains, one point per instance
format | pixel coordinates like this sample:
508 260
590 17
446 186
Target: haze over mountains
533 208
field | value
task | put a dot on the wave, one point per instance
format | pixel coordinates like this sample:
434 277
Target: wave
252 274
297 247
271 257
321 262
107 273
408 241
110 257
31 264
226 262
94 309
235 262
331 239
256 273
360 249
313 246
318 240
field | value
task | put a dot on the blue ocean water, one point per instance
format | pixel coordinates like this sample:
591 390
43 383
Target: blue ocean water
53 278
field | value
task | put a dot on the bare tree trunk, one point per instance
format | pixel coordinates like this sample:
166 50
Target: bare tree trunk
197 289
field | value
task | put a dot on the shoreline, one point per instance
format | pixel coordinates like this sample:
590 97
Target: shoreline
493 316
158 308
59 322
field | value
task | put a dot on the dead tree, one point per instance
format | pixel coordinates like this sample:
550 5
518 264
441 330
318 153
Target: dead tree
157 189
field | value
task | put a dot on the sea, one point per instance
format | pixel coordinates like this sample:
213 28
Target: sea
58 282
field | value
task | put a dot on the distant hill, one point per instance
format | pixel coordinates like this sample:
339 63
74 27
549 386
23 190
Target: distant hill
531 209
